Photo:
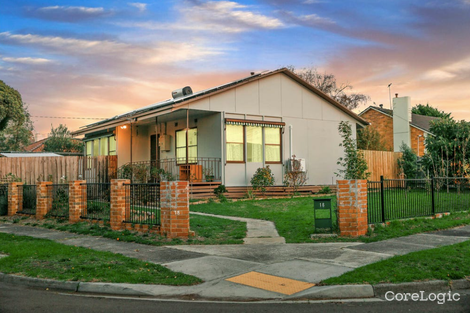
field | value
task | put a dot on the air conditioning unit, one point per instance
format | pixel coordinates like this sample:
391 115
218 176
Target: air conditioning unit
297 165
178 93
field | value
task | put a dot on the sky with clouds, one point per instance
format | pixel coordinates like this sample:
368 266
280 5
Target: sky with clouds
102 58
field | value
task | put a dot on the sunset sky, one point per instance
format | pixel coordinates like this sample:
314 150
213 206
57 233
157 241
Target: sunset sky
103 58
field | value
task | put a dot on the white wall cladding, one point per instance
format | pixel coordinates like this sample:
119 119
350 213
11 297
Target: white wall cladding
313 119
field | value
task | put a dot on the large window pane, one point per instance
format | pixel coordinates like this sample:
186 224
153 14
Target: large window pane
89 148
272 141
273 153
96 147
104 146
112 145
181 155
192 154
181 146
181 138
192 134
272 136
235 133
235 152
235 143
254 142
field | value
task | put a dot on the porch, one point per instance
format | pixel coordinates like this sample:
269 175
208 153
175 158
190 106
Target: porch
194 170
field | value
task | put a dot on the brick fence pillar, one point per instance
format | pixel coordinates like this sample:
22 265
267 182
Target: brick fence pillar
43 199
352 207
77 200
15 198
119 205
174 199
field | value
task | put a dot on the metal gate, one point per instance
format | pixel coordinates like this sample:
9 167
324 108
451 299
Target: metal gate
29 199
60 200
3 199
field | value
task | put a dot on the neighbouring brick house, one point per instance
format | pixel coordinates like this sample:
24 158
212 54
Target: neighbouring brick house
37 146
399 125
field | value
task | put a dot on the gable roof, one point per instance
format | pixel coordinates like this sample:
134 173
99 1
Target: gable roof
211 91
421 122
37 146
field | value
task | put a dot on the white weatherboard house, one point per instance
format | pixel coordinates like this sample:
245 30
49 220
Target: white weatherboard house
227 132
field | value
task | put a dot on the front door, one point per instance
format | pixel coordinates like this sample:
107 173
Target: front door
153 149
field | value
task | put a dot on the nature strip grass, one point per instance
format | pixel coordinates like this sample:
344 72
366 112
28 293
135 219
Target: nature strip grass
44 258
445 263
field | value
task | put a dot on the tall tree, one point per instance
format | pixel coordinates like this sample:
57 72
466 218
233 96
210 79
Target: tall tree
448 150
327 83
61 141
17 134
428 110
368 138
11 106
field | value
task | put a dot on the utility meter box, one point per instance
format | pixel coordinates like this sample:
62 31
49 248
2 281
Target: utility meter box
164 142
323 214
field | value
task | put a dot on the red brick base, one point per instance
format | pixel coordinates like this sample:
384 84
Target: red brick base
352 207
15 198
77 200
174 199
118 203
43 199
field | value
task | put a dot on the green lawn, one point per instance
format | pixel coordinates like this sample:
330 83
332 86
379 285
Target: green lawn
450 262
47 259
209 231
294 218
400 228
407 203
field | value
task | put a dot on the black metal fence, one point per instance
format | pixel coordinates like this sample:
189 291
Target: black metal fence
390 199
29 199
60 200
3 199
143 203
98 199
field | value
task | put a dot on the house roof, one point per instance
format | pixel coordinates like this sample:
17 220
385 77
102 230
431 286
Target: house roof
28 155
422 122
37 146
208 92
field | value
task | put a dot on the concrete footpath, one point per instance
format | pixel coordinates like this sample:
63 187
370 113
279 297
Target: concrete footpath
275 267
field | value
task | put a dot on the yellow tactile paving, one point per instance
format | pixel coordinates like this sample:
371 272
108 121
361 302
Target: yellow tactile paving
272 283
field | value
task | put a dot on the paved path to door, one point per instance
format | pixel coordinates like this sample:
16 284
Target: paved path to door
257 231
308 262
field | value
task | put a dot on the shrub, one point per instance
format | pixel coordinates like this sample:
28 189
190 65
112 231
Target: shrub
353 165
408 163
325 190
262 178
295 176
